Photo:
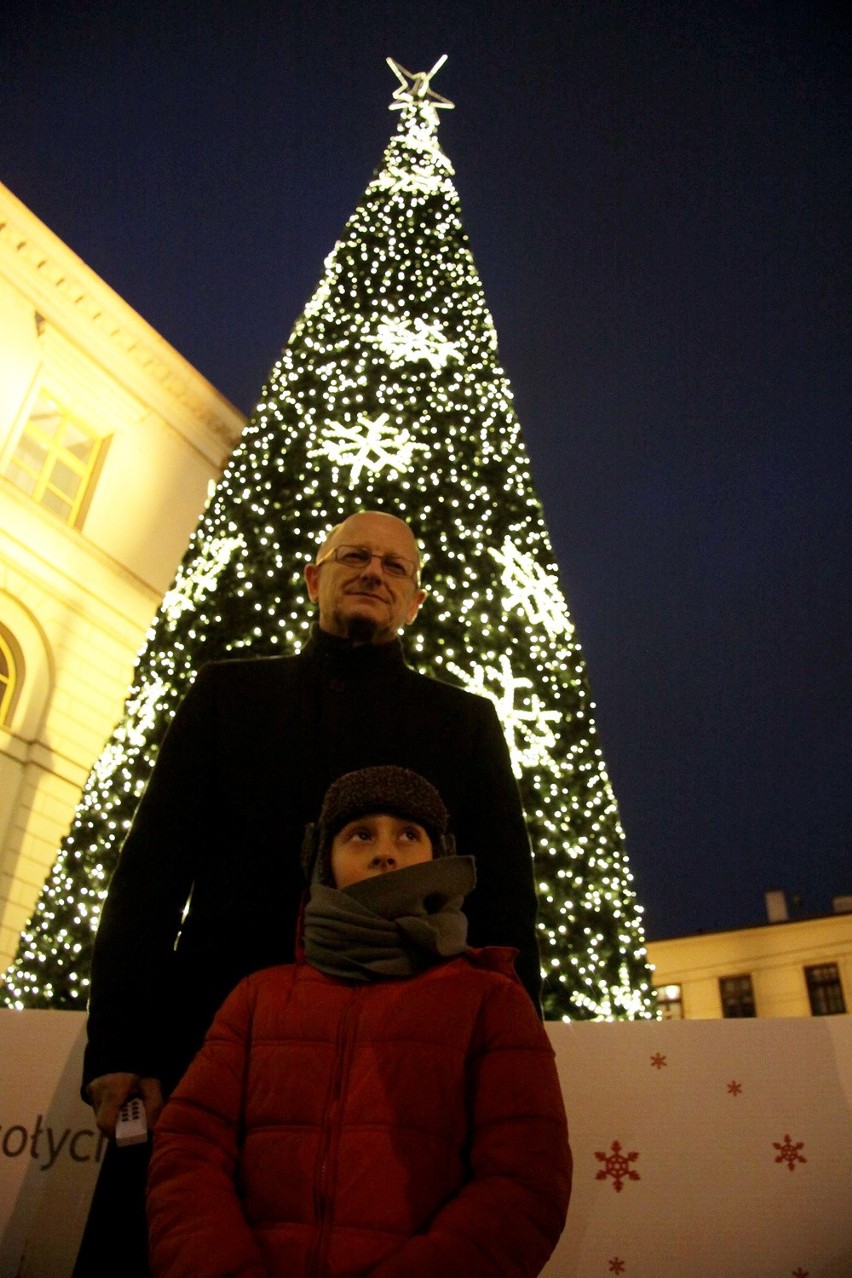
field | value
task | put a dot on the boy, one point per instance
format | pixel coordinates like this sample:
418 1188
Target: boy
388 1105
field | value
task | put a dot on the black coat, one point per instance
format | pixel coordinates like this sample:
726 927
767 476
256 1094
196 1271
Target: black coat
243 768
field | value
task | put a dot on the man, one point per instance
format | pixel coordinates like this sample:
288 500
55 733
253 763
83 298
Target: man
208 885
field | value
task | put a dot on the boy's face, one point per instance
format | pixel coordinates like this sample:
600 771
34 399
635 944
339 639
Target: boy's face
376 844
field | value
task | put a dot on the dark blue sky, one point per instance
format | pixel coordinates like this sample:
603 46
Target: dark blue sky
657 197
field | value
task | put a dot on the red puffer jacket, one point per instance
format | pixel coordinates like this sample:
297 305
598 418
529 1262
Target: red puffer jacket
401 1129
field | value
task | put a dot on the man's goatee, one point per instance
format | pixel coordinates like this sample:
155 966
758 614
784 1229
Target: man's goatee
362 630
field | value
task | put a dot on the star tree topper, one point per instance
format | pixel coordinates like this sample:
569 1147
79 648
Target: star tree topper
414 86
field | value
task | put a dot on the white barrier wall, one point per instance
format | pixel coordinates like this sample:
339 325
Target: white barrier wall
49 1145
702 1149
738 1134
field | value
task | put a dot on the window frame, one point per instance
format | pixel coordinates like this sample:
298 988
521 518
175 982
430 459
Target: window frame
666 1001
821 990
11 682
57 452
737 998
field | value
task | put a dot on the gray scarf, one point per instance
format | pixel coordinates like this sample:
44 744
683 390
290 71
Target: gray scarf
395 924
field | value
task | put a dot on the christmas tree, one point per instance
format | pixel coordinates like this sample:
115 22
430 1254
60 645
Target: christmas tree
388 394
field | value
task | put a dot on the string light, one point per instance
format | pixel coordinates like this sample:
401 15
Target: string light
389 394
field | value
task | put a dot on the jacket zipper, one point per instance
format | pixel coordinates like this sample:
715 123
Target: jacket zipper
325 1175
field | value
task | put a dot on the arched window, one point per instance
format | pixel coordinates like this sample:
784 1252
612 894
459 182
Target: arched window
11 674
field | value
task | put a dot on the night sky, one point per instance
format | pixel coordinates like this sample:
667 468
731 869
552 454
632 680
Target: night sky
657 198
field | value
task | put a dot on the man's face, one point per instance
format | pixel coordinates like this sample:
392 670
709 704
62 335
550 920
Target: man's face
376 844
366 603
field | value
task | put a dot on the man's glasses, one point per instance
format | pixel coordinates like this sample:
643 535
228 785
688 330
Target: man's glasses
361 557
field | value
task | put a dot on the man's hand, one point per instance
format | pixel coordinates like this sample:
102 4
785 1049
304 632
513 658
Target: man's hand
108 1093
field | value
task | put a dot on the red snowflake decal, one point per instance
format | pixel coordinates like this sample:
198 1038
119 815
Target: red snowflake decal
617 1166
658 1060
789 1153
616 1266
735 1088
800 1272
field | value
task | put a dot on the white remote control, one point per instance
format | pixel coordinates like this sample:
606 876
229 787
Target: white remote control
132 1125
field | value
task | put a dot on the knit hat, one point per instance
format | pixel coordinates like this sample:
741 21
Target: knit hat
398 791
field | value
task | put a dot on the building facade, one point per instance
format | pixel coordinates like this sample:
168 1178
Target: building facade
798 967
109 441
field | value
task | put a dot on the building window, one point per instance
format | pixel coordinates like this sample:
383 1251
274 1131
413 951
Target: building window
11 674
824 990
669 1002
55 459
737 996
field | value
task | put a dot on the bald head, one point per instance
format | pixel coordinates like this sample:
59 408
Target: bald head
354 526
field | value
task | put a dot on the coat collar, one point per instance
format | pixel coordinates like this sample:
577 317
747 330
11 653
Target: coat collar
340 658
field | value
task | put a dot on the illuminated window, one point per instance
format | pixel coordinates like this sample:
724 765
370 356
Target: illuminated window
11 672
669 1002
824 990
737 996
54 461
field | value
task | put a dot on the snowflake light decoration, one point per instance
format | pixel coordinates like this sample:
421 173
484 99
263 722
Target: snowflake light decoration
526 728
532 591
112 757
193 583
421 138
141 713
407 342
418 180
375 444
